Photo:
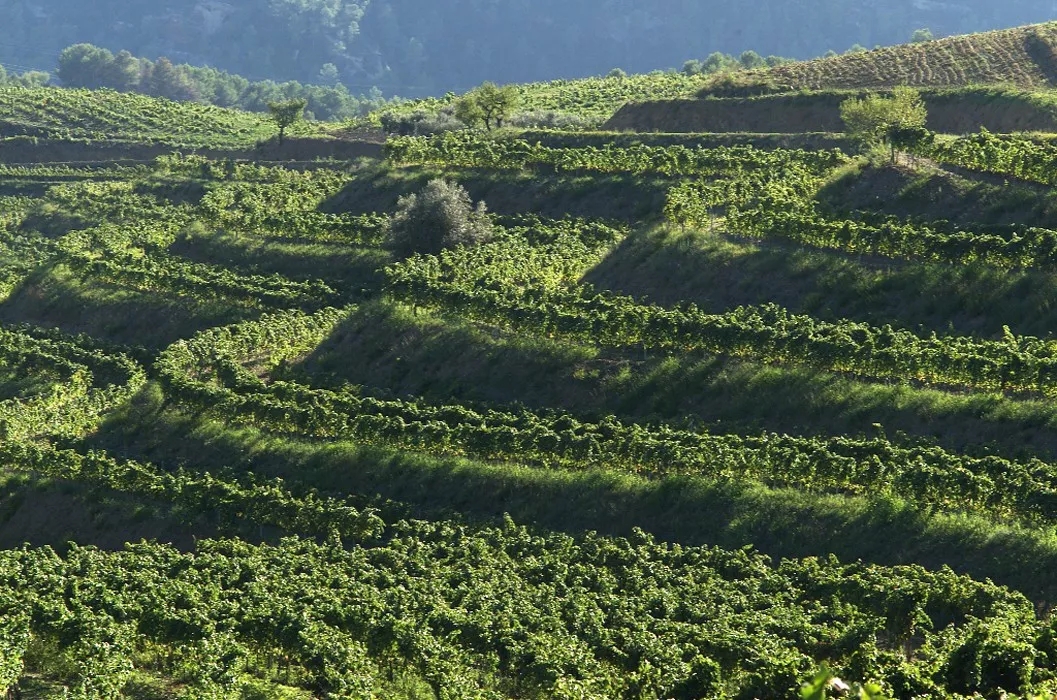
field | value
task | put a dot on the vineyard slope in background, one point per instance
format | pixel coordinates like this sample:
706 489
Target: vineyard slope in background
719 405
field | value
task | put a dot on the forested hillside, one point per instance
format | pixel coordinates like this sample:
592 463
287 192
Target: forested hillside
417 47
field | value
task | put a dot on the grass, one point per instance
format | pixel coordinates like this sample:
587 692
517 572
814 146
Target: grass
391 351
923 192
40 511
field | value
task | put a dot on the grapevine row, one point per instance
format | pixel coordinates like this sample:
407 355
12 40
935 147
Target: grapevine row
208 373
470 151
499 612
460 281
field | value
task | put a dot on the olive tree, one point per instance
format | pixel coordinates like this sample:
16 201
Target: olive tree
440 216
489 104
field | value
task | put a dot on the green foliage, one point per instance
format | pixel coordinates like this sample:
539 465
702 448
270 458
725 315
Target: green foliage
488 104
741 84
824 683
441 216
64 114
88 66
29 79
921 35
286 114
1017 157
468 110
875 119
341 602
469 150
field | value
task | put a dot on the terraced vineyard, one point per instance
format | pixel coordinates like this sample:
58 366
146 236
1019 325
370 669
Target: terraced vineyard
705 444
1023 56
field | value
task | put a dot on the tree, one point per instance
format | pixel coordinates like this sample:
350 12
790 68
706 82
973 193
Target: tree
488 103
441 216
876 119
750 59
85 65
468 111
124 72
287 113
169 81
922 35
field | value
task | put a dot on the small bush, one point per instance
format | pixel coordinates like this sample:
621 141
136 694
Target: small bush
420 123
440 216
742 84
549 119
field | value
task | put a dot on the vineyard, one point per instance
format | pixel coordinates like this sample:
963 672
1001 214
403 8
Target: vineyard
706 441
1022 56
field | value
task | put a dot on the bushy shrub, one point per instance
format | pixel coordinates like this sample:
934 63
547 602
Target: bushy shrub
420 123
441 216
549 119
742 84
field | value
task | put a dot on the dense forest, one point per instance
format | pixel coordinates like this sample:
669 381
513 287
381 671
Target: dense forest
413 48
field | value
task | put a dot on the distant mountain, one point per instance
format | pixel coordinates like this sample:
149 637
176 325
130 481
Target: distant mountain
417 47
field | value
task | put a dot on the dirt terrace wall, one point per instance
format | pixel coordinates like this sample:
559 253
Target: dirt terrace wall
29 150
950 113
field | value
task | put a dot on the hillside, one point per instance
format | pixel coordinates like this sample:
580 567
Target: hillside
1024 56
681 416
415 48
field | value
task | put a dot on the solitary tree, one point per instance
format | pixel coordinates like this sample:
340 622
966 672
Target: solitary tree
440 216
875 119
287 113
489 103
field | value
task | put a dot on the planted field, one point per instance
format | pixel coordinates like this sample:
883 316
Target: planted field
1023 56
697 419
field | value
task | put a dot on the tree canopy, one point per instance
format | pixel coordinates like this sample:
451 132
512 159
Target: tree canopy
488 104
876 119
286 114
